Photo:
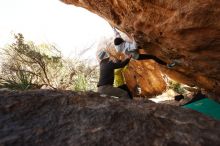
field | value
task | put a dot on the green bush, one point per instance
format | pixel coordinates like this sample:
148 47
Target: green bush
29 66
176 87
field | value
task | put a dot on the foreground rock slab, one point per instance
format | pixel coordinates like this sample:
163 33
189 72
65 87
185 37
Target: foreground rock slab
65 118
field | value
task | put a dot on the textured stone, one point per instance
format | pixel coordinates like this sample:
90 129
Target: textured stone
143 73
147 75
187 30
57 118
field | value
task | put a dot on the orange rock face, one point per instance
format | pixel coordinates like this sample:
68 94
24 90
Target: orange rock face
147 75
185 30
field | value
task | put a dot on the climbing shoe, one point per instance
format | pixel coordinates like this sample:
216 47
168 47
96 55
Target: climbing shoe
171 65
174 63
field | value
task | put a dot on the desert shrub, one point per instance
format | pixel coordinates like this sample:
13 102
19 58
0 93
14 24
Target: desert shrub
20 80
175 86
27 66
83 76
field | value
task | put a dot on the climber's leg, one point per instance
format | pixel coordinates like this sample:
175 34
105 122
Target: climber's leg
147 56
125 87
113 91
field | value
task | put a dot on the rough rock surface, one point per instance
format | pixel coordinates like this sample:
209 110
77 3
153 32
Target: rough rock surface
57 118
147 75
187 30
143 73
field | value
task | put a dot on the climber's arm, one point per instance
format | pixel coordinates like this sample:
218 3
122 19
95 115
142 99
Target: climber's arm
121 64
117 34
131 46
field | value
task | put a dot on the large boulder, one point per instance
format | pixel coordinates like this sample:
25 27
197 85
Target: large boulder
186 30
146 75
65 118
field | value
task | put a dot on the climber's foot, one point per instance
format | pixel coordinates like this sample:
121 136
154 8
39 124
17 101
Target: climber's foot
171 65
174 63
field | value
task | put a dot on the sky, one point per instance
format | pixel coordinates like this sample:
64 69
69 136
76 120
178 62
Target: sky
70 28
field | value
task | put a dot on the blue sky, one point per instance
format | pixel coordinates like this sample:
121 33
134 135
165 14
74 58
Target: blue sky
50 21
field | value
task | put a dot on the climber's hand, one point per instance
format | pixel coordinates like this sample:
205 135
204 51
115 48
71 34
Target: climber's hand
129 56
117 34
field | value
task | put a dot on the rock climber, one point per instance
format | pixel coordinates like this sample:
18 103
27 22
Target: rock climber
119 80
106 77
130 48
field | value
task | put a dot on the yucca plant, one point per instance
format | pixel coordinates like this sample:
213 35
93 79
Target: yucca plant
20 80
